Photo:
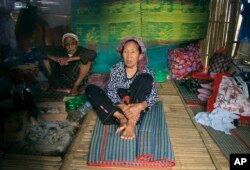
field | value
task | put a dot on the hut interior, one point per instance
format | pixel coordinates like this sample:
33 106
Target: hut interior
49 129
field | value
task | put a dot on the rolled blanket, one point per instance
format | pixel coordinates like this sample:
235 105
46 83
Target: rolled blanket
151 148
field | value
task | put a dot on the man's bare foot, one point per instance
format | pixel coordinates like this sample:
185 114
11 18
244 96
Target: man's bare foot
122 121
129 131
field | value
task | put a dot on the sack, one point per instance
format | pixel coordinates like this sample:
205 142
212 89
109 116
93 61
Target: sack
220 62
183 61
193 84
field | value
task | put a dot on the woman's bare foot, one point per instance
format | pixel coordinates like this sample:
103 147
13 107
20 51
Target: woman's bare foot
122 124
122 121
129 131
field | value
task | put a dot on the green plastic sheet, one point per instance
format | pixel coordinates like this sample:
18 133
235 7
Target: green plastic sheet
163 25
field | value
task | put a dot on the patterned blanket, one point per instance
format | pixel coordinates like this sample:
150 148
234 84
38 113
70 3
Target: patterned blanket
151 148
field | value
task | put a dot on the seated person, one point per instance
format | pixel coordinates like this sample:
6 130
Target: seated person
70 64
131 89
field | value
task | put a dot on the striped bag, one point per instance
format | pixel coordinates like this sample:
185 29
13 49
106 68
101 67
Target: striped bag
220 62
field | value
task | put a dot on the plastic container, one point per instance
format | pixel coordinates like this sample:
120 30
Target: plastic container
241 84
85 108
161 76
75 102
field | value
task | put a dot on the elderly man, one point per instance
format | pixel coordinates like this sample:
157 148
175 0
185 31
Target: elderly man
69 65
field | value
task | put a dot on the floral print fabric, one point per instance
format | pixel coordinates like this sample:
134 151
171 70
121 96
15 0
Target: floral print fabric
231 98
118 79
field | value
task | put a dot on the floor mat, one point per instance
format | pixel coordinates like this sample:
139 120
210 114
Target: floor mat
243 133
39 93
228 144
190 98
151 148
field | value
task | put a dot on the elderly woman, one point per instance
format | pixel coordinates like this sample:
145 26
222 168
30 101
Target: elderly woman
131 89
69 65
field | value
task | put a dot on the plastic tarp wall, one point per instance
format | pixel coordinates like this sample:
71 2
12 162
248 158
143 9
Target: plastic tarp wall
165 24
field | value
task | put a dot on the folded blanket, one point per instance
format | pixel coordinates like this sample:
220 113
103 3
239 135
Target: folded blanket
151 148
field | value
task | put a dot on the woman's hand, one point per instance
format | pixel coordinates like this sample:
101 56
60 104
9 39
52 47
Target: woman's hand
123 106
133 111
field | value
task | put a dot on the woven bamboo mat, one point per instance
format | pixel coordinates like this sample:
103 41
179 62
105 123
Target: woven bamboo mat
238 142
192 145
243 134
48 95
234 143
189 98
188 146
151 148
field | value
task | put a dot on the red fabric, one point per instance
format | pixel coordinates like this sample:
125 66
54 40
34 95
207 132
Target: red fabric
244 118
126 99
201 75
244 121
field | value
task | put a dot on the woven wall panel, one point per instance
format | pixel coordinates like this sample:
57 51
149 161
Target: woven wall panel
102 24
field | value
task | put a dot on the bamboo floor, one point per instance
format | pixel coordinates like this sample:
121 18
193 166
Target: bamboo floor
192 145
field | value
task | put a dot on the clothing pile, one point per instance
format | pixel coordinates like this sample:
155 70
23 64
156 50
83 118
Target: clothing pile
219 119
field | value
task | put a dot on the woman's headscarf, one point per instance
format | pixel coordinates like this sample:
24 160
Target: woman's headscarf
142 63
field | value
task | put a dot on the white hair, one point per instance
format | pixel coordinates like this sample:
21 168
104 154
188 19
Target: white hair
69 35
